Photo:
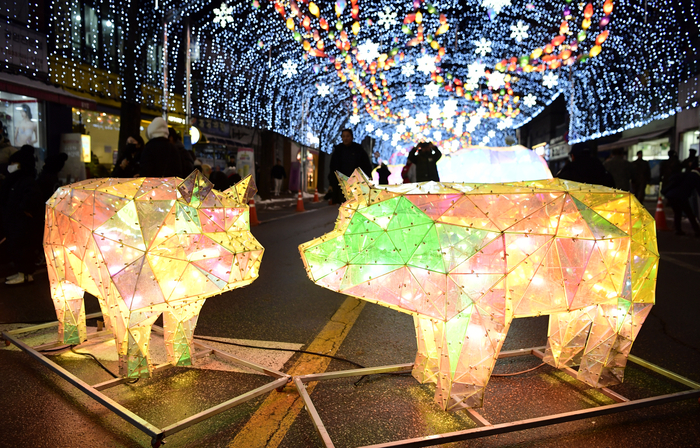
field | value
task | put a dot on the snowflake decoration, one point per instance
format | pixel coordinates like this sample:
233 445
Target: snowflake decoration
379 132
485 140
530 100
483 46
476 71
224 15
408 70
367 51
519 31
448 123
387 19
385 137
492 133
289 68
421 117
434 113
437 135
450 108
506 123
411 95
400 129
426 64
431 90
369 127
496 79
495 5
354 119
550 80
405 113
323 89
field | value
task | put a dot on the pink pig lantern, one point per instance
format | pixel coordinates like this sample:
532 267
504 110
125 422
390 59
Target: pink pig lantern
146 247
465 259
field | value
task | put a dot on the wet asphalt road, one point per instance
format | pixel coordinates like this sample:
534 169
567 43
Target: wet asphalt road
40 409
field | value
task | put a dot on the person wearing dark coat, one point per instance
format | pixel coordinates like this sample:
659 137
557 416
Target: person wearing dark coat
22 210
347 156
278 174
220 180
159 157
677 192
670 167
425 157
48 178
186 157
384 173
641 175
585 168
691 160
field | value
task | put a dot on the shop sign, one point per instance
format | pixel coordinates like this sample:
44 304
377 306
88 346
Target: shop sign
22 47
213 127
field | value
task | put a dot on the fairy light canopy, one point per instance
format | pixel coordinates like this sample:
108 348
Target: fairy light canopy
453 72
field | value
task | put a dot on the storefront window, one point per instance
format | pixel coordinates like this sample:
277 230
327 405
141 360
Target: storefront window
21 120
689 140
103 129
91 36
653 151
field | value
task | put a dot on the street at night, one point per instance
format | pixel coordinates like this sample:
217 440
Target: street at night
349 223
284 306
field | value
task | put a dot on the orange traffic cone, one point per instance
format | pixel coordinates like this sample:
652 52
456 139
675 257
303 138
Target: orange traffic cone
253 213
316 195
300 203
660 215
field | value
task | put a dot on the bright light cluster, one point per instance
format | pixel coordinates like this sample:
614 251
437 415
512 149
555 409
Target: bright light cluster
465 259
485 164
146 247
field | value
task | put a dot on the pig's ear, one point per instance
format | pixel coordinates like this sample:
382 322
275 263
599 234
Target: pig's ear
195 188
243 190
356 186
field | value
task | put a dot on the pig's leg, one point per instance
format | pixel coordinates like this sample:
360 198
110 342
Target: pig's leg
568 332
471 343
426 366
70 308
136 363
614 329
179 323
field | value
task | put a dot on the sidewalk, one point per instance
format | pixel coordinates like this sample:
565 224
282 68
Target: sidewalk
286 205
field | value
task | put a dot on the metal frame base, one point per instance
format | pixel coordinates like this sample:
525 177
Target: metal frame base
484 427
157 434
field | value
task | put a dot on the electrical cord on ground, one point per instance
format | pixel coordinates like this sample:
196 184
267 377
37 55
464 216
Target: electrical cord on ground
57 349
518 373
337 358
90 355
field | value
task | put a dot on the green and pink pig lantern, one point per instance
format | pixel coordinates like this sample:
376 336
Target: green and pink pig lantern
465 259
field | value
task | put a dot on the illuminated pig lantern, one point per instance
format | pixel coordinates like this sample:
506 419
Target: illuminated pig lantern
465 259
146 247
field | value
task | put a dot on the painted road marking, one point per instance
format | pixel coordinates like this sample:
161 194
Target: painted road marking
270 423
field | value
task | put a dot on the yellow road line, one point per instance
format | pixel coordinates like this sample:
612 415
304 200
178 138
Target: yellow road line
270 423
